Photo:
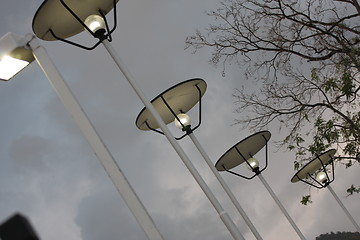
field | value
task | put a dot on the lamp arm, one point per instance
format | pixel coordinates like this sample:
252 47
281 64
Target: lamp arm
172 111
321 184
309 183
108 35
237 174
73 43
198 125
242 155
101 39
266 154
190 130
160 132
153 129
76 17
332 170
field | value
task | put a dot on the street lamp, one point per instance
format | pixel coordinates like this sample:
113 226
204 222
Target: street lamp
57 20
13 56
315 174
243 152
172 105
29 44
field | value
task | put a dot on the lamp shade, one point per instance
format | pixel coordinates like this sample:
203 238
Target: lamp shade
314 165
181 98
53 15
247 147
14 55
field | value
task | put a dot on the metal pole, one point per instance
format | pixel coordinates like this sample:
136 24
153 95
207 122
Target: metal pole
344 208
104 156
297 230
223 215
225 186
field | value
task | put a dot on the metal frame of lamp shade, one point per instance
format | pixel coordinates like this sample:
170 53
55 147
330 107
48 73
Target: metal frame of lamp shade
52 29
314 166
43 19
180 99
242 152
245 149
88 130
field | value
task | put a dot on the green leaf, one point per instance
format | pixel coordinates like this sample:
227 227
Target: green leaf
296 165
351 190
305 200
347 84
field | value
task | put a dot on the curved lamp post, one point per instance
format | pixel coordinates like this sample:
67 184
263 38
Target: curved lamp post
57 20
315 174
172 105
243 152
27 49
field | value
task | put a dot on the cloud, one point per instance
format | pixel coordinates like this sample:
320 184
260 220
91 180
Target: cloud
103 215
31 153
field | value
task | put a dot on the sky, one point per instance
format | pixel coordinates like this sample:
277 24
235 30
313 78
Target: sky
50 174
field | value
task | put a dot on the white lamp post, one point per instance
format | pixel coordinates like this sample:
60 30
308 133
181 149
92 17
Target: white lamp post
172 104
30 45
243 152
57 20
317 167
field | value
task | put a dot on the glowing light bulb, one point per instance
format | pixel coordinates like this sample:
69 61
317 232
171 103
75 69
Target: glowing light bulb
10 66
253 162
321 177
184 119
95 23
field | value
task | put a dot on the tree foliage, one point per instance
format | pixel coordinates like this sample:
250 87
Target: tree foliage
305 200
305 54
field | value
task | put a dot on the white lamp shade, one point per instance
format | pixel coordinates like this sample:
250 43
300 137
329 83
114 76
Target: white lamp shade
184 119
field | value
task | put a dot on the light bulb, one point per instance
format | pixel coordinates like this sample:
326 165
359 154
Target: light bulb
321 177
184 119
253 162
10 66
95 23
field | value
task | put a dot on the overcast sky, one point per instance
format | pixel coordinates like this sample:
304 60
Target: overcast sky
49 173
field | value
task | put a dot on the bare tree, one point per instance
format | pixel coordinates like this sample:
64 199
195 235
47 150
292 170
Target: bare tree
306 55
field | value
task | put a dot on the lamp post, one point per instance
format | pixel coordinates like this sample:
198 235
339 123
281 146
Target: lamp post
315 174
30 45
243 152
57 20
172 105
